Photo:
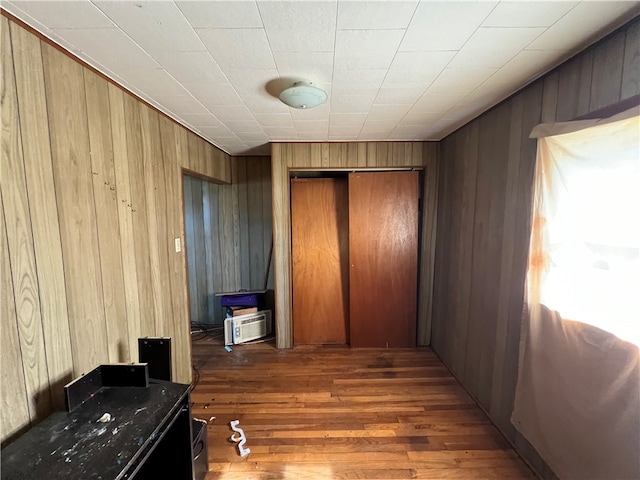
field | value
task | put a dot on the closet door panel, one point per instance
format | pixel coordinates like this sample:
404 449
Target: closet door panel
319 237
383 252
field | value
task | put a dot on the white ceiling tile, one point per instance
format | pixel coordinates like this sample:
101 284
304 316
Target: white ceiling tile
191 68
421 117
264 103
221 14
244 127
251 81
527 14
407 132
281 133
239 48
407 95
584 17
180 104
436 103
216 94
274 119
315 67
217 132
387 112
321 112
313 136
493 47
201 119
233 113
351 103
364 15
366 49
63 14
350 119
109 47
305 126
152 81
452 80
336 131
377 128
439 25
253 137
155 26
307 26
417 67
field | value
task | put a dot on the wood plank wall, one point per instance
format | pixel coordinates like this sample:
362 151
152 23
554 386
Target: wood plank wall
91 184
228 232
486 174
358 156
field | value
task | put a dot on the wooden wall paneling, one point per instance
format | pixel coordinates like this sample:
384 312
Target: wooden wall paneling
488 235
315 152
506 284
21 257
325 153
215 271
139 214
189 245
631 63
550 97
104 191
244 258
531 117
383 231
125 214
457 269
199 251
66 104
574 86
233 228
226 232
461 256
427 245
606 80
178 327
27 59
282 247
357 154
13 394
267 220
256 233
154 185
320 251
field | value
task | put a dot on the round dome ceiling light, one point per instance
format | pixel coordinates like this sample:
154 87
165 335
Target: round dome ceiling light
303 95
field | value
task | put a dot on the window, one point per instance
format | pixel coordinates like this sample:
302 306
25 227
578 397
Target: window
585 246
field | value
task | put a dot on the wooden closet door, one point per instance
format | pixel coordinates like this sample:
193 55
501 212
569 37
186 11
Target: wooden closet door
319 238
383 252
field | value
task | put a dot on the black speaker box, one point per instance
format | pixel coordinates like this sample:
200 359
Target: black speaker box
156 352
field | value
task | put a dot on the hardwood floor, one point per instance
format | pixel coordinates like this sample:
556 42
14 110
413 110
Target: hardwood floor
339 413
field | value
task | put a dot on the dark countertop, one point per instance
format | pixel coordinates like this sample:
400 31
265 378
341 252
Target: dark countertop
75 446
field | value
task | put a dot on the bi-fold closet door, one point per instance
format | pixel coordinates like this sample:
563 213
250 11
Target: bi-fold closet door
355 259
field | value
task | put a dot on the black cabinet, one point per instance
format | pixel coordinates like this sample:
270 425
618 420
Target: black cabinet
147 437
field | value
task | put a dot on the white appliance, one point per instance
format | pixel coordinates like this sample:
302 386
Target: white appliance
245 328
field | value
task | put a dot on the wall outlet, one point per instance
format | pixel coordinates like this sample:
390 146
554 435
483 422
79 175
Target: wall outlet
178 244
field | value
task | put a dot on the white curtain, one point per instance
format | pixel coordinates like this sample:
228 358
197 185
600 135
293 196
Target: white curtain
578 393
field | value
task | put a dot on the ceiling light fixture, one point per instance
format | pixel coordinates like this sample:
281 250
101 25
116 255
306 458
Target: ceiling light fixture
303 95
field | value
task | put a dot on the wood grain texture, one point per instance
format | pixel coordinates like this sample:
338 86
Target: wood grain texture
631 63
482 241
320 248
105 197
125 214
361 156
427 241
606 80
47 245
228 235
139 215
13 394
383 253
338 413
19 238
66 104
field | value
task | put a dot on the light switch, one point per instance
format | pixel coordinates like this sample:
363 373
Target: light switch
178 245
